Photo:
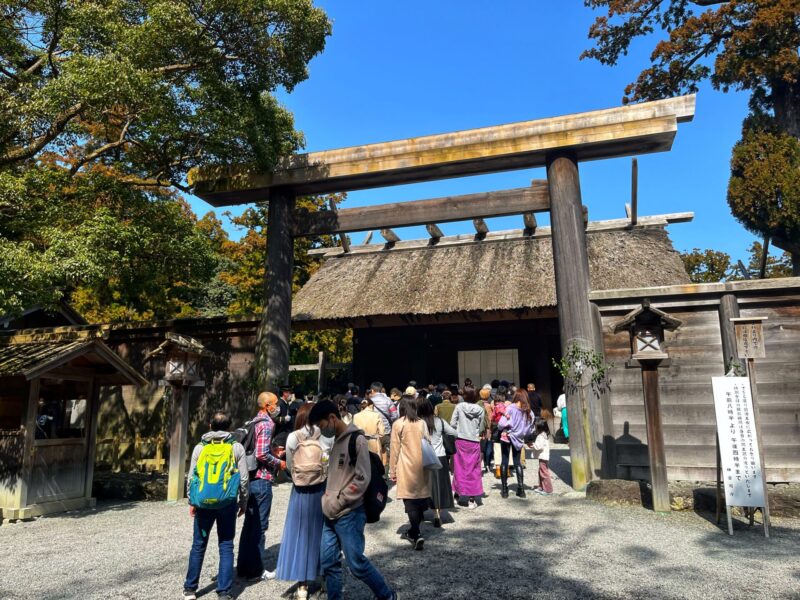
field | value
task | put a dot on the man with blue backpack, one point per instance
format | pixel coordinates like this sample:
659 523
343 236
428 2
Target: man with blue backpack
218 491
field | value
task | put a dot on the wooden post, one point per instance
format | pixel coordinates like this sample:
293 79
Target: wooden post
655 436
600 412
91 435
178 438
571 265
729 309
751 373
321 379
28 447
274 330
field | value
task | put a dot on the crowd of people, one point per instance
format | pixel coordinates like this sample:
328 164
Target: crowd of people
434 444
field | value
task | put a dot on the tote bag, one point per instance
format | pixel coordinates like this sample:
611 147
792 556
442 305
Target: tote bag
430 461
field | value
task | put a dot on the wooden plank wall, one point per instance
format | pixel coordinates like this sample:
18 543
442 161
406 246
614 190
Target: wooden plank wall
686 396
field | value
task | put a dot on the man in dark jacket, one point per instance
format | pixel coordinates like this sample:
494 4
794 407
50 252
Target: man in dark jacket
535 400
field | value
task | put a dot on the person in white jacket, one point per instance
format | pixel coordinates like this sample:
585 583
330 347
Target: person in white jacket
541 450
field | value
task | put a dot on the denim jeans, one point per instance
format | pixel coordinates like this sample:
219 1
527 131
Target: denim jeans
256 522
505 447
347 534
488 453
204 520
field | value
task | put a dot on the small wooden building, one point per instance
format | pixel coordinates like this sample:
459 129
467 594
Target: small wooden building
49 399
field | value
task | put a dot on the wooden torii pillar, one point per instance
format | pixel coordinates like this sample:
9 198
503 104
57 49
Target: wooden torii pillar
575 319
274 331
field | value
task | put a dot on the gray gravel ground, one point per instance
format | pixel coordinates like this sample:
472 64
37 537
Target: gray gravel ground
557 547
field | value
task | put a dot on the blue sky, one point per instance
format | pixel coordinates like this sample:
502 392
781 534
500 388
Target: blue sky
394 70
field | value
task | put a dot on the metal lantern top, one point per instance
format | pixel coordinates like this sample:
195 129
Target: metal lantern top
646 325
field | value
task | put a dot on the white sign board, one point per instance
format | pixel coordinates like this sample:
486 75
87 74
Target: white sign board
738 442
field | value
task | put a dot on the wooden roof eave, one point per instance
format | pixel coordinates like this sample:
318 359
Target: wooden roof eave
127 372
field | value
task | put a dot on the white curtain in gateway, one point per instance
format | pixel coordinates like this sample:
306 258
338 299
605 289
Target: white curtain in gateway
482 366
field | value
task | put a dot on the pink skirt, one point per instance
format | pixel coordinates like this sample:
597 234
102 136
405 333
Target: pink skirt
467 479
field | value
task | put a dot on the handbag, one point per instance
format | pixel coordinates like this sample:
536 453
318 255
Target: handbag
430 461
448 441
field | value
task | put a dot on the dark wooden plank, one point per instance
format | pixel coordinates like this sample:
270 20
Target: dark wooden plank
535 198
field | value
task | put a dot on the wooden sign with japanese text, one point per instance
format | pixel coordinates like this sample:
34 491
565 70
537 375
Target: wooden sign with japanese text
738 442
749 339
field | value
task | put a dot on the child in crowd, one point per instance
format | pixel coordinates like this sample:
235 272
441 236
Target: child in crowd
541 450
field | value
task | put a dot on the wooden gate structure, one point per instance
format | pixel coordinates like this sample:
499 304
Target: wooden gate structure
558 144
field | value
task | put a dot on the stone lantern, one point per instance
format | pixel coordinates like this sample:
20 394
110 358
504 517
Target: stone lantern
646 326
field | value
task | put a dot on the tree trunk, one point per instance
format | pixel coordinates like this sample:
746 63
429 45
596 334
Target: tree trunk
786 104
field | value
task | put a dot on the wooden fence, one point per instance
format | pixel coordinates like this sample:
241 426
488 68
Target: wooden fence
148 453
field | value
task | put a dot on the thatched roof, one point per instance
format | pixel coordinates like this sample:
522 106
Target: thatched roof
481 276
35 353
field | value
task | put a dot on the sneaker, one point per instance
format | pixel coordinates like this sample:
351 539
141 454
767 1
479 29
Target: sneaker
408 538
419 543
472 505
189 595
541 492
437 522
268 575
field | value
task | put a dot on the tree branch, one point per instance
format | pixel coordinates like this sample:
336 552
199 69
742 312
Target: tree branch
102 149
56 127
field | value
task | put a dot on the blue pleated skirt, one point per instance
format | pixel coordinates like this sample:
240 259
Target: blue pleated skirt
298 557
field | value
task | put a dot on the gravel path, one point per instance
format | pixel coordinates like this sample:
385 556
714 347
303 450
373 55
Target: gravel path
558 547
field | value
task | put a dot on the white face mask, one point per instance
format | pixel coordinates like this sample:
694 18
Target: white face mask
273 411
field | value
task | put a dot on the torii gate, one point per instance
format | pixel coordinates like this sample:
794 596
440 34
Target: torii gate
558 143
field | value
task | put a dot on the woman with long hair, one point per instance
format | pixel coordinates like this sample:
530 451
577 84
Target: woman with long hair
469 421
441 490
406 467
516 424
298 557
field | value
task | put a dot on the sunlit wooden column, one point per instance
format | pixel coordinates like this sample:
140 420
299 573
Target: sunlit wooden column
575 321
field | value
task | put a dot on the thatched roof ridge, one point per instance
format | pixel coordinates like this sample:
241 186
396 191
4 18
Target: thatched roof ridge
487 276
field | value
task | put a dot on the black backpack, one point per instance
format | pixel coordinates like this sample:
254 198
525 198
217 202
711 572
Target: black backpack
246 436
377 490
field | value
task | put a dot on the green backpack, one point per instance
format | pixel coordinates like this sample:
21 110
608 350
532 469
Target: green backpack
215 481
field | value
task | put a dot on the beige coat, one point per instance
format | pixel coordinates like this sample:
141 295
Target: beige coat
406 459
371 423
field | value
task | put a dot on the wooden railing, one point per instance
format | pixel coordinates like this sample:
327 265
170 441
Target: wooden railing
148 453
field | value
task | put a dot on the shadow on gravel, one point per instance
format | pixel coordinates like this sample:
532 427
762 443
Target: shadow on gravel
107 506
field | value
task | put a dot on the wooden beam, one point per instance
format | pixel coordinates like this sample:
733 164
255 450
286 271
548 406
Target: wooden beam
390 236
535 198
530 223
368 237
434 231
345 239
575 321
481 228
621 131
514 234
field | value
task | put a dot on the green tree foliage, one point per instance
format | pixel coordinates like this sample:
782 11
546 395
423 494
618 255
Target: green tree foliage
764 187
736 44
707 266
713 266
104 107
238 284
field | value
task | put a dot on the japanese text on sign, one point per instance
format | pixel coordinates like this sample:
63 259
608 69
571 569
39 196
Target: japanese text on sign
738 442
750 339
